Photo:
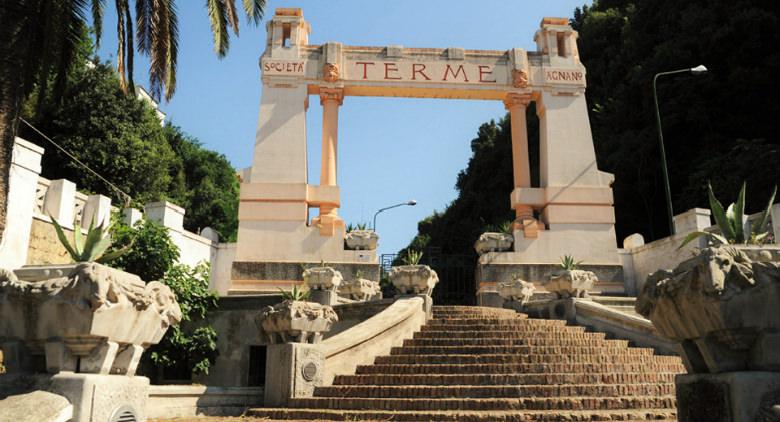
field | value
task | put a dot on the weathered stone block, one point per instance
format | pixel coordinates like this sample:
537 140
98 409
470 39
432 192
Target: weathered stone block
361 240
494 242
322 278
296 321
360 289
571 283
721 305
413 279
517 290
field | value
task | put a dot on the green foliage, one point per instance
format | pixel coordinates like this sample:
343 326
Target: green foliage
93 247
116 135
358 226
295 293
205 184
412 257
730 222
569 264
709 133
190 346
152 254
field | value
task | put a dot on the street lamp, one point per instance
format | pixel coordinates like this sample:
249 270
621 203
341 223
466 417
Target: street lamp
410 203
698 70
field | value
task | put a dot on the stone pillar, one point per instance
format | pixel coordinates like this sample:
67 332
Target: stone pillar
97 211
166 213
330 99
292 370
22 184
60 201
516 104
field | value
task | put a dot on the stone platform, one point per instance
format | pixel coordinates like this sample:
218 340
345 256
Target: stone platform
268 277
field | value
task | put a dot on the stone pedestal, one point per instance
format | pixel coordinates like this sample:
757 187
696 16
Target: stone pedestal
324 297
101 398
728 397
292 370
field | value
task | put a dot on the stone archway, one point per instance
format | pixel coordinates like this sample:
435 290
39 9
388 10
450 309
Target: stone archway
573 201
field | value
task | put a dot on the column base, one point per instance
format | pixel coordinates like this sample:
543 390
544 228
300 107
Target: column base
329 224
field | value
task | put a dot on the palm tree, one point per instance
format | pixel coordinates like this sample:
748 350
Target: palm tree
39 39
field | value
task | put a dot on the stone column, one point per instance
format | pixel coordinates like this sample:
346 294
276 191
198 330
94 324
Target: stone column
516 104
331 99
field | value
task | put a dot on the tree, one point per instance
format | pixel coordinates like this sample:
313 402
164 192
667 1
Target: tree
152 253
210 186
116 135
39 39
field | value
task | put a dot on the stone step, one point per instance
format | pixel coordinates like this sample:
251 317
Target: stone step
523 403
464 350
448 322
519 368
504 379
513 328
494 391
541 333
583 342
504 326
513 358
657 415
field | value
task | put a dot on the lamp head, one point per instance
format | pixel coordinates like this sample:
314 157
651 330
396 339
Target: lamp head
412 202
698 70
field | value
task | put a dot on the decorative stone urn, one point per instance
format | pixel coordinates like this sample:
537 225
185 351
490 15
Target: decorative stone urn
493 242
97 318
322 278
361 240
413 279
295 321
722 306
571 283
517 290
359 289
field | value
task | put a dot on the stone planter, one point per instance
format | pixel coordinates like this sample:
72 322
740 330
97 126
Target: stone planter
361 240
359 289
413 279
95 318
322 278
295 321
493 242
571 283
517 290
722 306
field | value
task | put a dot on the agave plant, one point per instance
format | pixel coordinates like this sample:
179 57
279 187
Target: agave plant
569 264
730 222
91 248
412 257
505 227
296 294
359 226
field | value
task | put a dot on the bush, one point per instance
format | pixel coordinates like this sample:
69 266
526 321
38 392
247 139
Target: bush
189 348
153 253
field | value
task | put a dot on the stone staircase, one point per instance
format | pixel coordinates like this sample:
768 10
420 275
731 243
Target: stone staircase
623 304
488 364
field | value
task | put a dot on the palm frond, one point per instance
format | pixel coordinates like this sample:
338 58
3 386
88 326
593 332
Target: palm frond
143 25
173 51
97 19
218 18
232 15
254 10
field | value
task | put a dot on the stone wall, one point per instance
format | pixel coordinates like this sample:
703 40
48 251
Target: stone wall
44 247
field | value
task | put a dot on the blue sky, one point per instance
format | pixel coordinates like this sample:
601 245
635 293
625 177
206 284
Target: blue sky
390 149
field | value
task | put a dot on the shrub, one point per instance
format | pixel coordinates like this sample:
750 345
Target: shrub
152 254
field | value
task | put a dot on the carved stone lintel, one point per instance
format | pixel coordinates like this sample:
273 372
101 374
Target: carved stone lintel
361 240
322 278
330 72
331 94
296 321
519 78
571 283
514 100
517 290
359 289
493 242
721 305
414 279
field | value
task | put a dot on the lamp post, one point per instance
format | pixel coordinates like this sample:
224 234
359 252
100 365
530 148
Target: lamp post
410 203
698 70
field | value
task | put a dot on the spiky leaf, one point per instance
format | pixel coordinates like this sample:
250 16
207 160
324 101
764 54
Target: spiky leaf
738 216
720 215
764 220
64 240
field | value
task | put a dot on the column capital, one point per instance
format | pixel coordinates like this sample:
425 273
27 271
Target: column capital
331 94
514 99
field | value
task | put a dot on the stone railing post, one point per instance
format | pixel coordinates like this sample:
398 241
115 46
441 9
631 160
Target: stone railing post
695 219
166 213
60 201
97 211
23 181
